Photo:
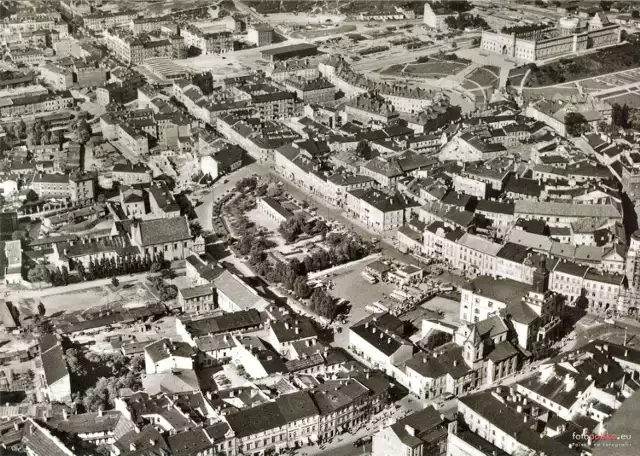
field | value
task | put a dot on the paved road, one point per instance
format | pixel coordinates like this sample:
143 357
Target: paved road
204 211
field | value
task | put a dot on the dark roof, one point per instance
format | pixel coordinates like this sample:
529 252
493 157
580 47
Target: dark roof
382 201
513 252
499 289
449 360
523 186
287 49
383 340
293 328
229 156
191 442
87 422
427 424
256 419
232 321
54 365
276 206
41 443
128 168
296 406
162 231
165 348
567 267
47 342
148 442
495 206
163 197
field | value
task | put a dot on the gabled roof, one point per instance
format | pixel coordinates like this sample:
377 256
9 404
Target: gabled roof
54 365
239 292
163 231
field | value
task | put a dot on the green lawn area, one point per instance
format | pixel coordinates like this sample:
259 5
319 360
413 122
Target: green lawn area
598 63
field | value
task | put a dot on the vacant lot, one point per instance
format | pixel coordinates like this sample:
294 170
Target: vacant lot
129 295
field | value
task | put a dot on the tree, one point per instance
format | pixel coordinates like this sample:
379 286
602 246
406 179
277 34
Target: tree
136 364
363 150
274 190
81 271
168 274
65 275
301 288
21 129
41 309
635 14
196 229
292 228
575 123
17 235
73 362
323 304
115 282
32 196
39 273
156 266
170 292
83 131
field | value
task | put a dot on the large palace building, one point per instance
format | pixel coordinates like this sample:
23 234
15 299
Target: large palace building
531 43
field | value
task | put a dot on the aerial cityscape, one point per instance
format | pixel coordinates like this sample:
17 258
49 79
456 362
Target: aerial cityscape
319 228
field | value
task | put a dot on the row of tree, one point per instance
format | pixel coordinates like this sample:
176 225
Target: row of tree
98 269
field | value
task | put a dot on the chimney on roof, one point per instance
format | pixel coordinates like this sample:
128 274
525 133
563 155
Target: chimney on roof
132 447
287 325
297 330
152 442
100 411
411 431
606 367
64 414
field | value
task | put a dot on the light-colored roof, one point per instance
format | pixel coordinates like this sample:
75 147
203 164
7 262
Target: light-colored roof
241 294
479 244
566 209
534 241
